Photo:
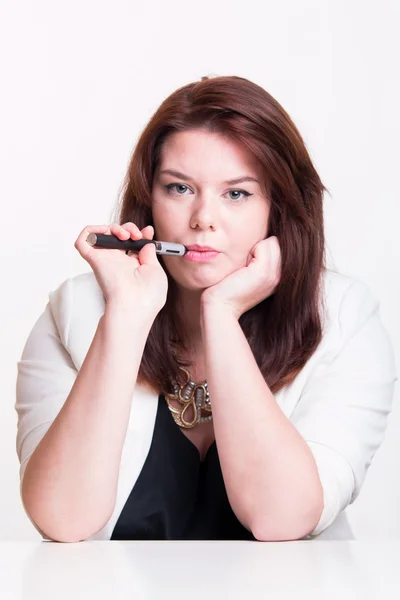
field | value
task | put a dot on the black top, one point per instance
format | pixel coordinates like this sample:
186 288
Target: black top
177 496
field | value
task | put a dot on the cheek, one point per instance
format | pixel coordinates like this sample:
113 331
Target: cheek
242 251
160 223
165 220
245 240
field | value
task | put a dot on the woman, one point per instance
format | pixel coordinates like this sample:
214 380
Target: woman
293 371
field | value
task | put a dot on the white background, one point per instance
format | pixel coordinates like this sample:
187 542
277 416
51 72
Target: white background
79 81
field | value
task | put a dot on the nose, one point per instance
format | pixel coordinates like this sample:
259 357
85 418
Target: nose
204 212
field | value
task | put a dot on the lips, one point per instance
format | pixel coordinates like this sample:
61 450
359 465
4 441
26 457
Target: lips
198 248
200 257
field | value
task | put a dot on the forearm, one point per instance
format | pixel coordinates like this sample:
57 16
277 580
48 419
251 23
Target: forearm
70 482
269 472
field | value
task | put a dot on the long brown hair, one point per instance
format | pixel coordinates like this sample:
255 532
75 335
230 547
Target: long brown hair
283 330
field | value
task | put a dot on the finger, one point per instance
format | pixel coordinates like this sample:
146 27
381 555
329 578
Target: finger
81 244
275 249
148 232
276 259
148 254
130 230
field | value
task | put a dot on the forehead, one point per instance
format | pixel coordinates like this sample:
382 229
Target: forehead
203 151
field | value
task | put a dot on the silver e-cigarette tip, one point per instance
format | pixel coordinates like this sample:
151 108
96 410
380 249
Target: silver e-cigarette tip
91 239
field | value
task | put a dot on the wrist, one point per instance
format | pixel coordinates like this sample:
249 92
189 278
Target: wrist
216 307
128 315
214 314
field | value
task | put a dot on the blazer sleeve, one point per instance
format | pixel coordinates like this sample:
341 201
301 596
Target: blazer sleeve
45 374
343 410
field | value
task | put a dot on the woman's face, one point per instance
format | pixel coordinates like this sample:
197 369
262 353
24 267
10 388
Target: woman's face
200 207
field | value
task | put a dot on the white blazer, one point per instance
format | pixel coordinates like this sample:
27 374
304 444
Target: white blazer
339 402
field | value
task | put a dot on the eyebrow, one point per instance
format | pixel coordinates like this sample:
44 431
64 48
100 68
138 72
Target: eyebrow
229 182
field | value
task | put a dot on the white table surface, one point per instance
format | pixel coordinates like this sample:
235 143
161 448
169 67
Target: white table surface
192 570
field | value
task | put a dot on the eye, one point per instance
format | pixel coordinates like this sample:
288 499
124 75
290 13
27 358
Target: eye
170 186
246 194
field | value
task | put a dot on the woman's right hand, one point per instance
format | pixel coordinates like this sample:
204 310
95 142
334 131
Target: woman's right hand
134 281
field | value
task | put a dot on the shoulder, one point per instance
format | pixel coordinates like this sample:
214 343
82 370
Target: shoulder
348 302
81 287
76 306
354 338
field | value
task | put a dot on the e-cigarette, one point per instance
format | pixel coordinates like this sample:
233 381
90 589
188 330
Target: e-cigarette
102 240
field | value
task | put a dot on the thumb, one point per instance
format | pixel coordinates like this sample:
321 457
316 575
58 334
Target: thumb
148 254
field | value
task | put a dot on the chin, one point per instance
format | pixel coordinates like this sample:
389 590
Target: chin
197 284
195 287
197 280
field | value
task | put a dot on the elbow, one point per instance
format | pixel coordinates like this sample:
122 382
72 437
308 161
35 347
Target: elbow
64 539
58 529
61 535
62 524
286 532
64 532
285 528
56 534
280 534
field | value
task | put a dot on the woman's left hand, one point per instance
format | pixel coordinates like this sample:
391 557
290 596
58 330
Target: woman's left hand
248 286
